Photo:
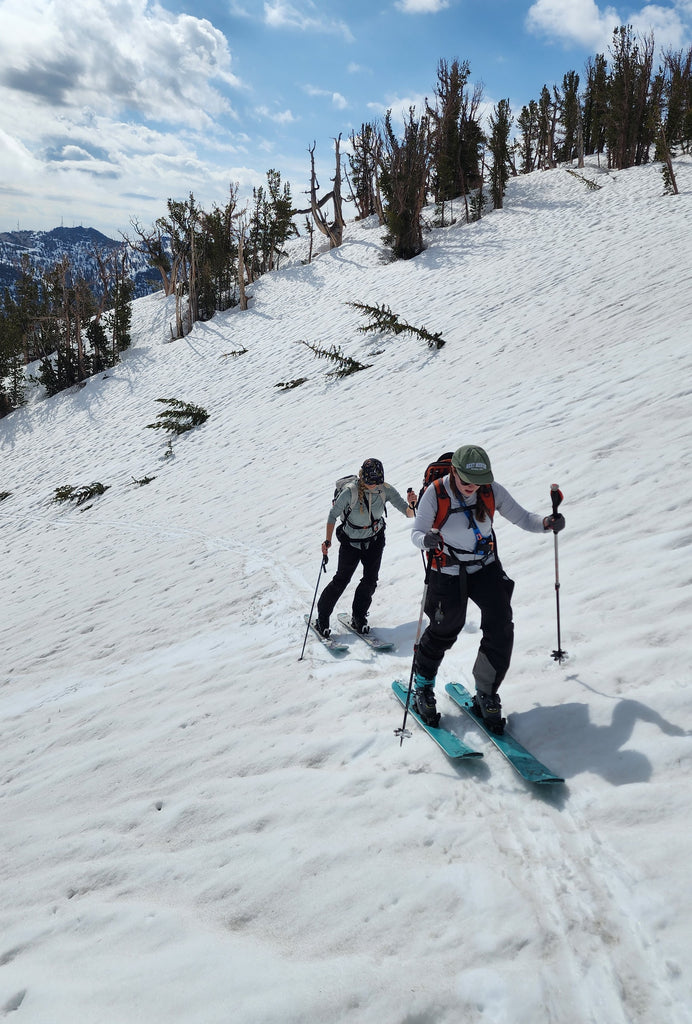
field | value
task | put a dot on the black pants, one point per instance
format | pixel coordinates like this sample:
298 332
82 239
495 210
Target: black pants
350 557
447 598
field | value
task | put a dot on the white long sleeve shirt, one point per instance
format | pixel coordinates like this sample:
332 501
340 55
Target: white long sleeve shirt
457 532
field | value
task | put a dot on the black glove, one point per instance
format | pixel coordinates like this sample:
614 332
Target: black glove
432 541
555 522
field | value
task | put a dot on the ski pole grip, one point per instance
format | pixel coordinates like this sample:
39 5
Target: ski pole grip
555 497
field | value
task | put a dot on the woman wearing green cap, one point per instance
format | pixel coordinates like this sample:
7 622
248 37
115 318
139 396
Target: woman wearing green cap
361 507
454 525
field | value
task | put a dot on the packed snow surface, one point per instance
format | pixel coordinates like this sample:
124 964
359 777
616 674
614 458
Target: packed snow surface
199 827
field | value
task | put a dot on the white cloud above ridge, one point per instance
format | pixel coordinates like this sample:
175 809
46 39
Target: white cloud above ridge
160 65
586 24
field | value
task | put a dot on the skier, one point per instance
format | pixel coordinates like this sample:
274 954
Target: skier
454 525
361 506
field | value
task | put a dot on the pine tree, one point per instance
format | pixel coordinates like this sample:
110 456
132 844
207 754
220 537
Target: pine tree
501 121
678 99
595 105
527 122
405 167
547 117
455 134
570 119
364 161
633 104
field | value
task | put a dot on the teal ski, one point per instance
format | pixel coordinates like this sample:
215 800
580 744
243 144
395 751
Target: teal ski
446 740
371 639
523 762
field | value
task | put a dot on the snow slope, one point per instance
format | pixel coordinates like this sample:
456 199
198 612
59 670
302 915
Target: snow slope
199 827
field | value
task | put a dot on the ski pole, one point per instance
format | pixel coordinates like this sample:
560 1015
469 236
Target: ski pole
323 568
403 730
556 497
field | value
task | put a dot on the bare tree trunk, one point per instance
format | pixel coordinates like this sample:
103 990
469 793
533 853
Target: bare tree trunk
335 230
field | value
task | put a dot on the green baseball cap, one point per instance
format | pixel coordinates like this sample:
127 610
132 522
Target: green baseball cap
472 464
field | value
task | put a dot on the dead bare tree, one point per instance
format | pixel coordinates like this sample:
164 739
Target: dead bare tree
334 231
151 244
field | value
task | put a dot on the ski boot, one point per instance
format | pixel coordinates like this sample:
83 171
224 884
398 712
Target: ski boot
360 623
489 707
323 628
424 700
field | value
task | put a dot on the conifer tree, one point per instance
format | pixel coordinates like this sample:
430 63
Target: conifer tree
455 133
501 121
571 146
364 160
405 168
527 122
547 118
595 105
678 99
632 111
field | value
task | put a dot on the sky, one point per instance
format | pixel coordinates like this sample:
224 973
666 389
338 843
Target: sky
198 826
108 109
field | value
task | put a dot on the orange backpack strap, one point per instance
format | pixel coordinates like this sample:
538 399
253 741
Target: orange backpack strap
444 504
488 497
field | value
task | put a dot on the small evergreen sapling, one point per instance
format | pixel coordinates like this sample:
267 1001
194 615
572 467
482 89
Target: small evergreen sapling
79 494
179 417
384 321
345 364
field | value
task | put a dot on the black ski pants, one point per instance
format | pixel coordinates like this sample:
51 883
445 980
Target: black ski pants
369 555
446 602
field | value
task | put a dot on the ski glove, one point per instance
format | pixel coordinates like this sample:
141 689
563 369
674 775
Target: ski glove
555 522
432 541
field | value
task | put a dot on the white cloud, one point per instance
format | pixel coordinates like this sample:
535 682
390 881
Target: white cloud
337 100
667 24
76 77
305 17
574 21
119 55
278 116
421 6
585 23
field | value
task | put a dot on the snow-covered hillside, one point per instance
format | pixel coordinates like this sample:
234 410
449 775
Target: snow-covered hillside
199 827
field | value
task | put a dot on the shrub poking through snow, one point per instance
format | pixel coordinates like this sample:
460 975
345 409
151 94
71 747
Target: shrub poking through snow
179 416
384 321
345 364
79 494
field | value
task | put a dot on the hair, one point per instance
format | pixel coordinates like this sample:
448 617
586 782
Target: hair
482 510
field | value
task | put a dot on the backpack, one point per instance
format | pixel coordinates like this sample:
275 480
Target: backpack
343 481
341 484
434 473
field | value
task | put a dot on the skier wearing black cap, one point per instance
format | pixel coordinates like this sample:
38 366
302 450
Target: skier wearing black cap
454 525
361 507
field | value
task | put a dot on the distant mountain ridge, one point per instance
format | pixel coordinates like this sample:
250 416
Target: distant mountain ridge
46 248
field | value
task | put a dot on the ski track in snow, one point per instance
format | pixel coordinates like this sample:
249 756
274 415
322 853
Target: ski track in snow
196 820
